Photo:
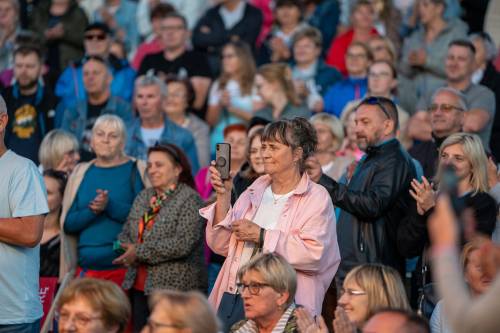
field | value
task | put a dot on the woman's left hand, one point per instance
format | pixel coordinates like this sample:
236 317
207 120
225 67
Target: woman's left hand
246 230
129 258
423 194
307 324
341 323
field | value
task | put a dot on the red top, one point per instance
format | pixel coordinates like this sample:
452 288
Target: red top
146 48
336 53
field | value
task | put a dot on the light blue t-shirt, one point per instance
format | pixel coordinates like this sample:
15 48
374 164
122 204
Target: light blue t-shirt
22 193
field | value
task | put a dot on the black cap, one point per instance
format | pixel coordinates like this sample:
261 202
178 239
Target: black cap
98 26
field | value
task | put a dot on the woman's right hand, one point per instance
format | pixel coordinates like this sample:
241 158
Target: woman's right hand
423 194
341 323
221 187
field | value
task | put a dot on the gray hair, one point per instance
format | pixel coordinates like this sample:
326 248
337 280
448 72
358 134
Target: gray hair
53 147
112 121
3 106
459 95
489 44
15 5
149 79
275 271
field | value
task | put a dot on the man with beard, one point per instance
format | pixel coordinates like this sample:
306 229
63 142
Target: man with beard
30 104
376 197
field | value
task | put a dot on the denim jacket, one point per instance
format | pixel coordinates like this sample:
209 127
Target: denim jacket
73 118
172 133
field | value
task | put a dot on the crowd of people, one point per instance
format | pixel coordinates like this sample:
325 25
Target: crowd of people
363 191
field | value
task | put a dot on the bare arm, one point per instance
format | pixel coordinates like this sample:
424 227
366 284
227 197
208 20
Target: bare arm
201 86
22 231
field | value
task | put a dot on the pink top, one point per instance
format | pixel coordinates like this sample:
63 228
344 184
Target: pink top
305 235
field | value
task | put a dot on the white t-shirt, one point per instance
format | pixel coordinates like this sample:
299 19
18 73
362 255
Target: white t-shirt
22 194
266 217
151 136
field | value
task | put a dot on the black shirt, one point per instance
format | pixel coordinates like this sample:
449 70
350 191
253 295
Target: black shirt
93 112
49 257
188 64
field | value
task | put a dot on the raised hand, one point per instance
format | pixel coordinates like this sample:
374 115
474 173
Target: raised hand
423 194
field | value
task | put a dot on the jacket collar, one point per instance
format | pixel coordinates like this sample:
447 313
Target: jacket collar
382 147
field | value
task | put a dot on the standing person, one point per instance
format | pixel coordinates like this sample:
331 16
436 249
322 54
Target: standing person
283 212
178 60
97 41
30 104
50 244
23 204
98 198
362 31
163 235
153 126
80 119
376 198
233 98
275 86
229 20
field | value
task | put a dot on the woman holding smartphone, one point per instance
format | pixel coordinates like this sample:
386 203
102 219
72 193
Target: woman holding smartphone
283 211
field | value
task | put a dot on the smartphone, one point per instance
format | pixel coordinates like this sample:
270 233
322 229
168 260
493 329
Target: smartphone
223 159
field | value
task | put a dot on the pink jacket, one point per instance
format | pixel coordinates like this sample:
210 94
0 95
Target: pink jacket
305 235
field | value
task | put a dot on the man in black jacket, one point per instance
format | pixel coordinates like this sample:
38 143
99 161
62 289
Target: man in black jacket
228 21
376 197
30 104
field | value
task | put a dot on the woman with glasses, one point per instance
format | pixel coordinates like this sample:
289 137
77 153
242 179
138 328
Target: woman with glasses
267 285
96 203
176 311
232 98
59 151
162 239
283 211
366 289
92 306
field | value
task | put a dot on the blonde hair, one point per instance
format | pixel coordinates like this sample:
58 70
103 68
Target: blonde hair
186 309
334 124
106 299
474 152
275 271
112 121
54 146
247 68
382 285
468 248
282 74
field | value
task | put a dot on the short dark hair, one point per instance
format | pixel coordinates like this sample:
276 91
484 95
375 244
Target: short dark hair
177 156
388 63
161 10
385 105
413 322
179 16
463 43
60 177
310 33
283 3
97 58
369 54
190 93
361 3
294 133
26 49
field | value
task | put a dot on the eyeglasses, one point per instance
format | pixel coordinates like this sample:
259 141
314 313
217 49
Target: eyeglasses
352 292
356 55
378 102
444 107
379 75
153 326
253 287
80 320
95 37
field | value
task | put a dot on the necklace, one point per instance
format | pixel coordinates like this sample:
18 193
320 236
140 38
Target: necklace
278 197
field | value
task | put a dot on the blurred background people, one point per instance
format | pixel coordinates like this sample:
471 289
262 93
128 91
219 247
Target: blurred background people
182 310
228 20
233 97
59 151
50 244
276 88
9 26
97 201
162 238
92 305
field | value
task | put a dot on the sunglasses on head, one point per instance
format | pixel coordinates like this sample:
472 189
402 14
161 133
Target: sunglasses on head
378 102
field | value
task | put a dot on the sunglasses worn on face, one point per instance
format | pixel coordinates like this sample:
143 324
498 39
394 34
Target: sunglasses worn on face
95 37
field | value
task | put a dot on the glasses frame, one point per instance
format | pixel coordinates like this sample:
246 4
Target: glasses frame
440 107
78 321
253 287
351 292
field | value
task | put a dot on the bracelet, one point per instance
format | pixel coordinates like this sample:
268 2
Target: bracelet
261 237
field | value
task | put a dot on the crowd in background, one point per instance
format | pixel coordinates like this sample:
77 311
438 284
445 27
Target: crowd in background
351 125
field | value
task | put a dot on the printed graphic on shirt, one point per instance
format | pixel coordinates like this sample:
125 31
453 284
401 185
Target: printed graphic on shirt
24 124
